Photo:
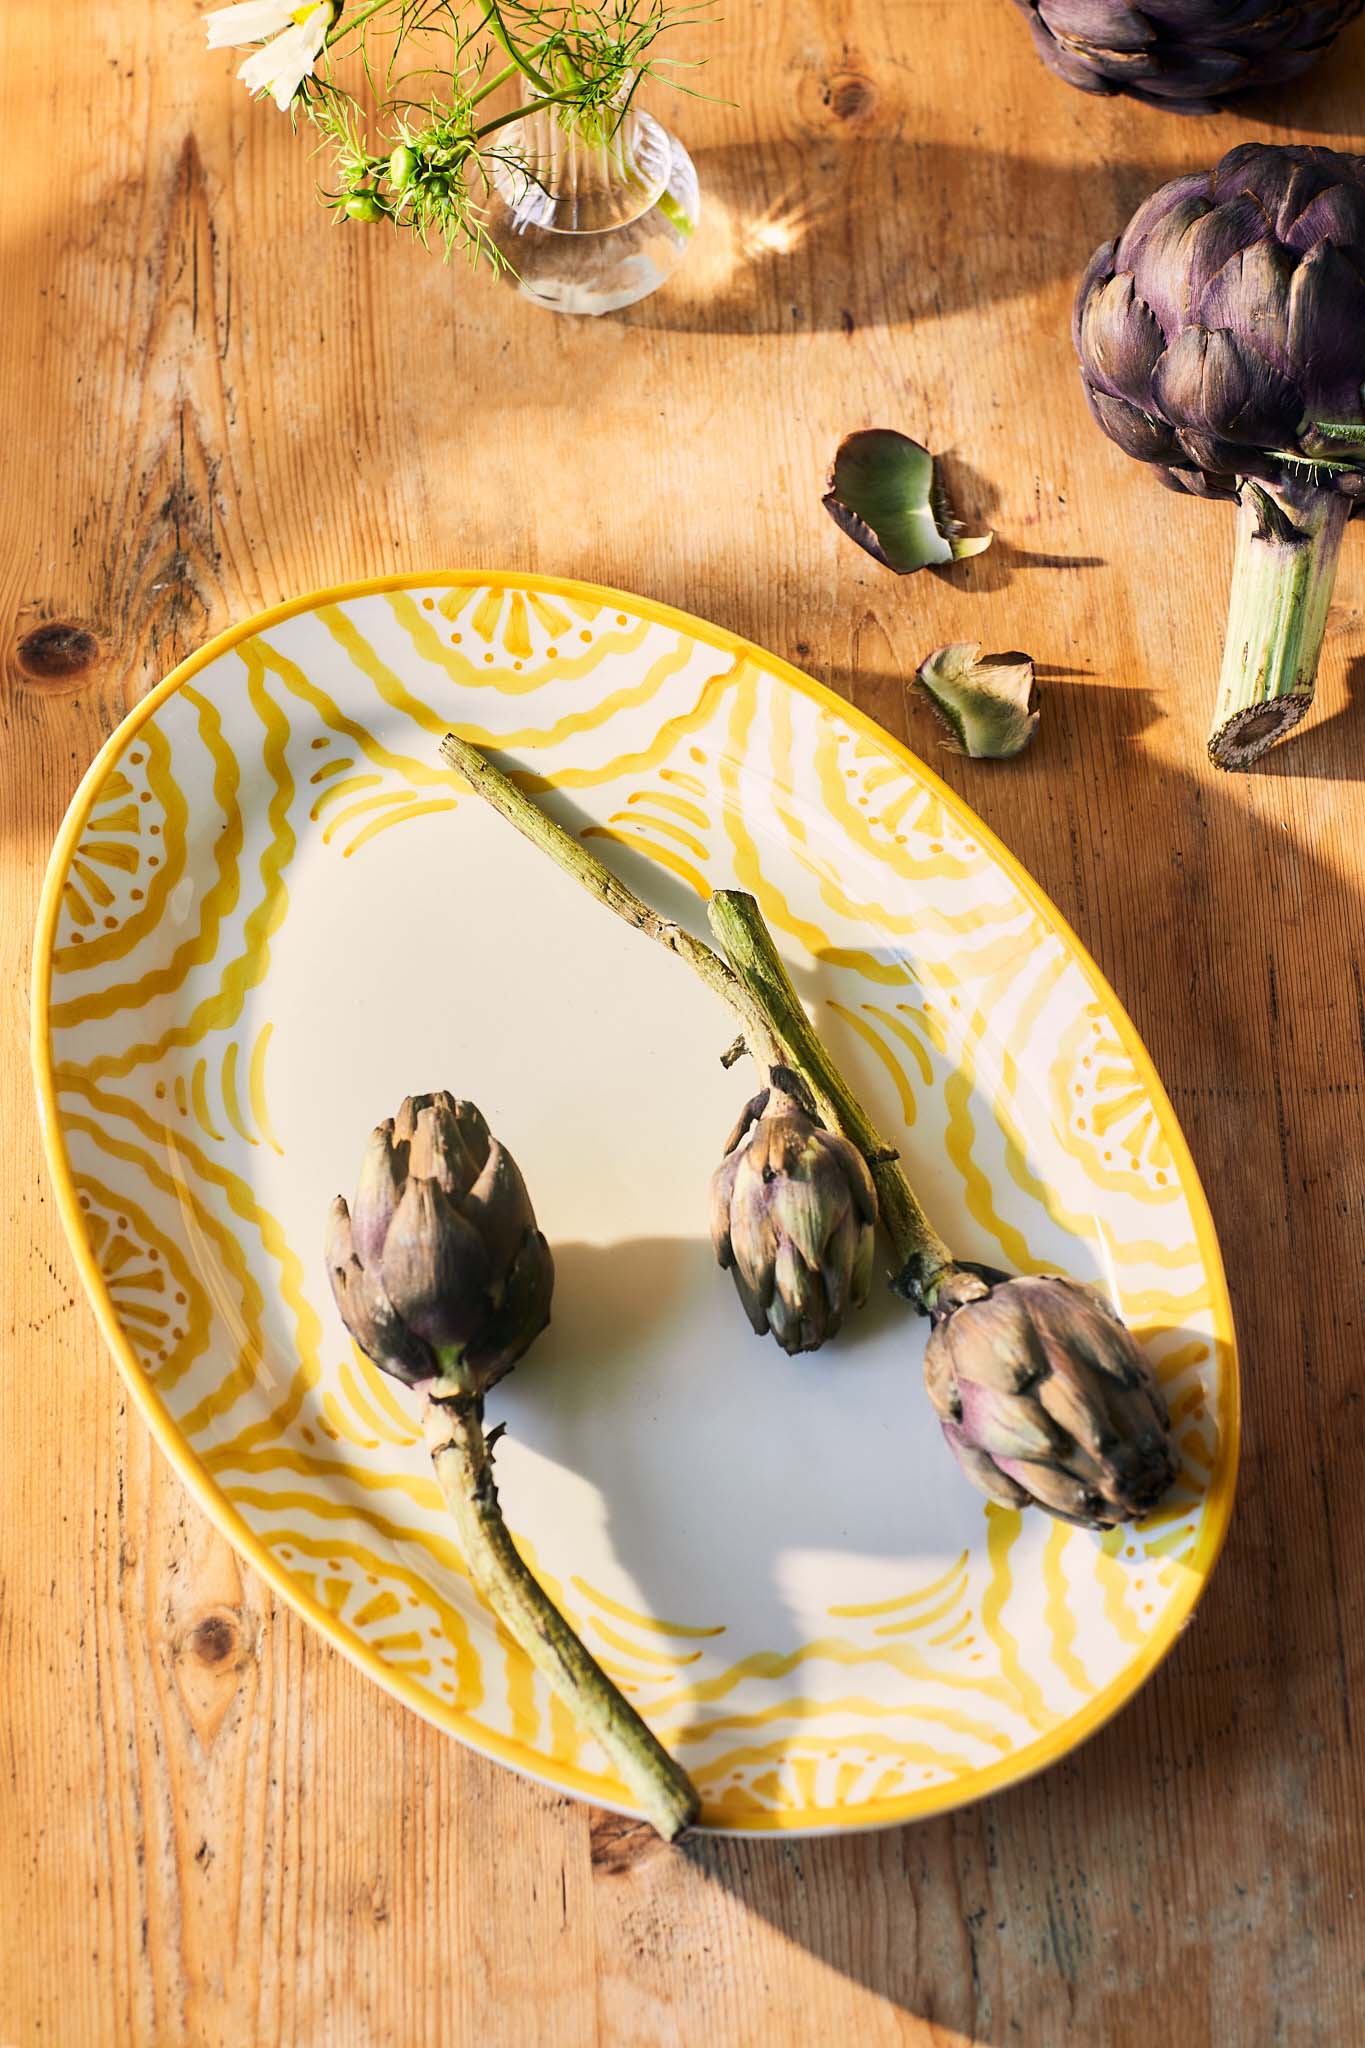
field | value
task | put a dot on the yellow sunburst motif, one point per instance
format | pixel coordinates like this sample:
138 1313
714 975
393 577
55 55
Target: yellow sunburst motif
516 641
394 1611
128 857
1107 1113
159 1300
510 617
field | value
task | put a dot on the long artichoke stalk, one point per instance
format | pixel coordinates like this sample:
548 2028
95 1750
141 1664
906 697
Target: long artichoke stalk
1288 542
1041 1392
453 1426
443 1279
775 1029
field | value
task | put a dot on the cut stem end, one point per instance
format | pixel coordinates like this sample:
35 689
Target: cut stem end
1288 543
1248 734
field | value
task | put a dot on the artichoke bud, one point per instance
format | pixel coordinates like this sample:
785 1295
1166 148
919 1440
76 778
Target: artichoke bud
1189 54
438 1263
793 1217
1044 1397
1222 335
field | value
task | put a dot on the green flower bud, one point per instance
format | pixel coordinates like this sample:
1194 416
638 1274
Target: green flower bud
402 165
364 205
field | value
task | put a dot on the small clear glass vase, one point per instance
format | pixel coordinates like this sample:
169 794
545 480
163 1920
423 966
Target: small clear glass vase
591 222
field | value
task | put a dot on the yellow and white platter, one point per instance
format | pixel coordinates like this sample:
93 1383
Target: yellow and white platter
271 913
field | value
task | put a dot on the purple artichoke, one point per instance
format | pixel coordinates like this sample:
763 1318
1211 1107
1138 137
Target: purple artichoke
1044 1397
439 1258
793 1217
1222 339
1184 55
442 1277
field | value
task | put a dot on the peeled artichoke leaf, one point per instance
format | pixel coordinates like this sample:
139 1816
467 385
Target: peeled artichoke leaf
989 703
884 494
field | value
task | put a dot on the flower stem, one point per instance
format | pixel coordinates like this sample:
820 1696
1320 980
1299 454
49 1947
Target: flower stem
532 106
340 28
922 1258
491 85
454 1433
498 29
1288 541
753 981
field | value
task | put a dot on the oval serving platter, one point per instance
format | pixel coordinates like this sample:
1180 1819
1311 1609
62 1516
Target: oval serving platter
270 913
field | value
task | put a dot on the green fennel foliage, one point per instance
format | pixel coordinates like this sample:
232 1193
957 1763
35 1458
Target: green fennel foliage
402 99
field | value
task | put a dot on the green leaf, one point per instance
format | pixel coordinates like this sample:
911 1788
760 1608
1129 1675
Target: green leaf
988 704
884 493
1338 430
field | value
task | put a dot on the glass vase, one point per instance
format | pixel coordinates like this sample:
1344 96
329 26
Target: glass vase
589 219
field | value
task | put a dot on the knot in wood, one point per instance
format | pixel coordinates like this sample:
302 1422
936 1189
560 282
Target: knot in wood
58 652
214 1639
849 95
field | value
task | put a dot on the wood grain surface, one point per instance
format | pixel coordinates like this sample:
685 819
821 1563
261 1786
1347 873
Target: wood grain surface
213 1830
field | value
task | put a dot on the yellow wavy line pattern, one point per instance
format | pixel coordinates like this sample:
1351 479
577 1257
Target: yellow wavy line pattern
1003 1529
188 1159
697 758
247 967
1061 1621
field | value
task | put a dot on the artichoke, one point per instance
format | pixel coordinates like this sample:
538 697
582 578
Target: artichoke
439 1257
443 1279
1183 54
1044 1397
793 1218
795 1205
1221 338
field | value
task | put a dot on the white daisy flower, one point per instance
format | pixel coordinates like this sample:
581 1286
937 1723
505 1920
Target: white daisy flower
297 35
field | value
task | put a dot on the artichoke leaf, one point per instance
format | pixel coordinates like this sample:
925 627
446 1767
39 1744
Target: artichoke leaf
988 702
885 494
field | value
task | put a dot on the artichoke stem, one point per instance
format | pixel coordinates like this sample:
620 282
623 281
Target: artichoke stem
749 975
1286 563
464 1467
739 927
569 853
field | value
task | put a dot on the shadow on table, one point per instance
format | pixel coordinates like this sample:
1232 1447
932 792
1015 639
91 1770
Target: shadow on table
1239 958
1329 747
875 230
1324 103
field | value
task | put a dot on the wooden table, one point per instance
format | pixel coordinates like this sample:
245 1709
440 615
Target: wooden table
214 1830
